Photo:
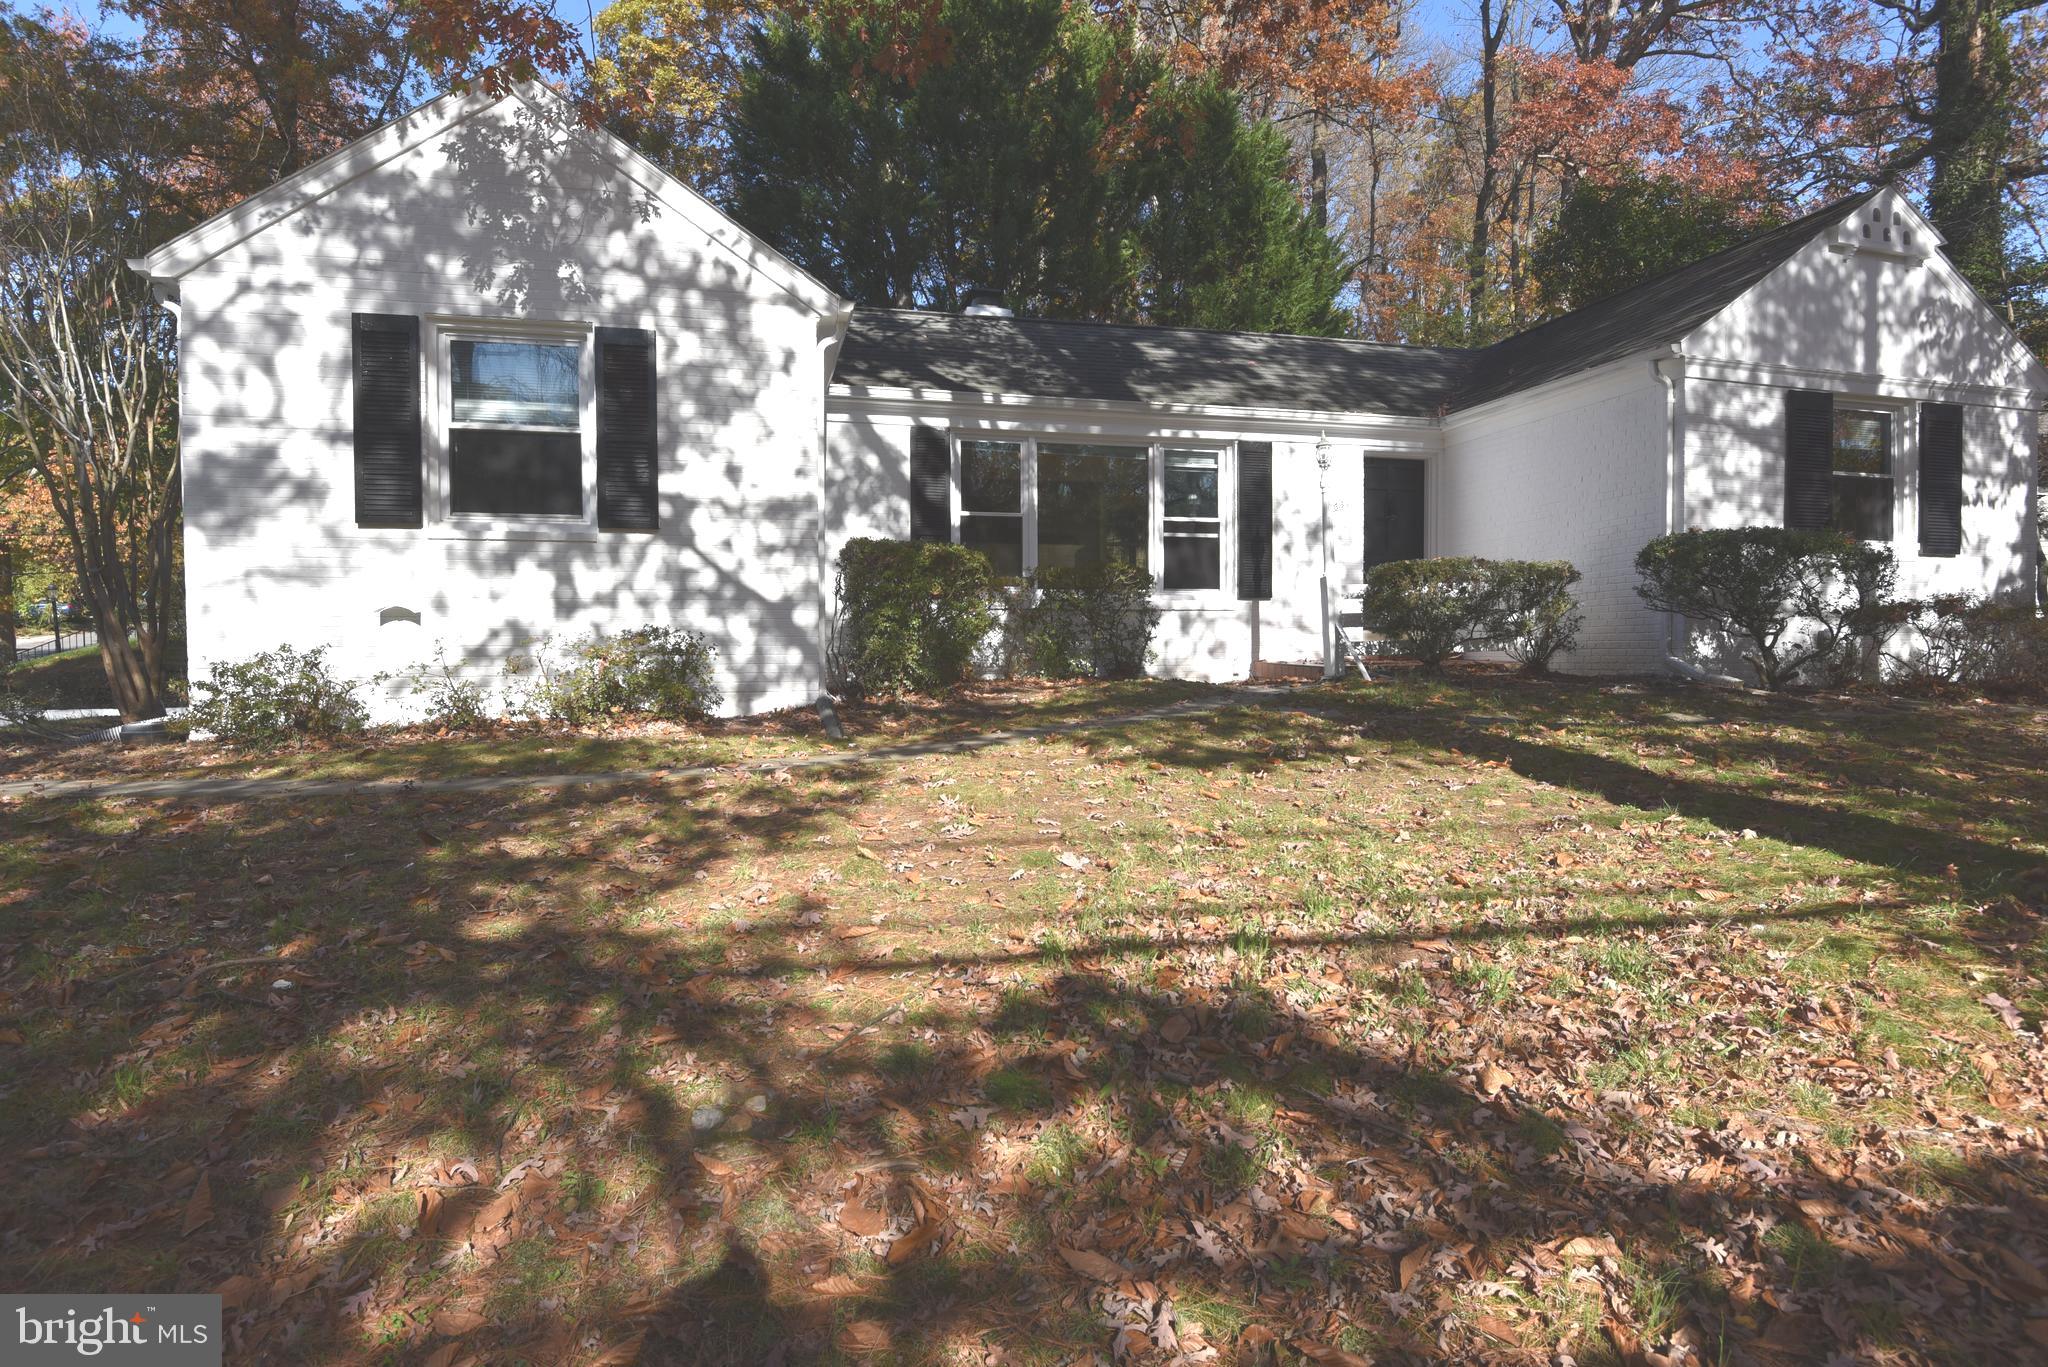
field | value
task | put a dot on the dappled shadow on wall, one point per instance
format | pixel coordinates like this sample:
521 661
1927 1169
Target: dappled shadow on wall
505 217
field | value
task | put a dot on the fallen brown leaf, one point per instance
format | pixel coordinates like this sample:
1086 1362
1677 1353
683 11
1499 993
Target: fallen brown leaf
1091 1264
456 1320
864 1336
858 1219
199 1209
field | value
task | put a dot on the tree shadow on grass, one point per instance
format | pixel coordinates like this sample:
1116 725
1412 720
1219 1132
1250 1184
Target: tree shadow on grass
471 1120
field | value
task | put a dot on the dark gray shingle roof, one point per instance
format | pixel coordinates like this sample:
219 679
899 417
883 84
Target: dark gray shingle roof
898 348
908 349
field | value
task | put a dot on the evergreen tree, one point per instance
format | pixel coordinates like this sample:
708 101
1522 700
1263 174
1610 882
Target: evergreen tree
1044 157
1607 237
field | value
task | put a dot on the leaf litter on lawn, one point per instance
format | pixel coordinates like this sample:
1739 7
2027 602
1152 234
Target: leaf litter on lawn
1354 1032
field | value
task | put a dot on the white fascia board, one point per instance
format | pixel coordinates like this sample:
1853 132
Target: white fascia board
1024 411
1865 382
273 205
1567 391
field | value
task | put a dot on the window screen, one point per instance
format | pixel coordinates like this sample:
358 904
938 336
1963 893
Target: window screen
991 503
1191 526
1862 473
515 442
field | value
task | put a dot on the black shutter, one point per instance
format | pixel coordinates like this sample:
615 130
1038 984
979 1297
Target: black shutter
931 485
1393 510
628 454
1809 459
384 360
1941 479
1255 520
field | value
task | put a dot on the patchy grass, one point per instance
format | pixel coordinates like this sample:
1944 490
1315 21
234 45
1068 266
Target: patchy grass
397 754
1437 1017
75 678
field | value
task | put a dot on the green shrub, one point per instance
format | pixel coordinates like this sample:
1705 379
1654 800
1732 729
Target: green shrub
648 671
1994 645
1795 601
1430 609
451 703
1535 616
275 697
1084 621
912 615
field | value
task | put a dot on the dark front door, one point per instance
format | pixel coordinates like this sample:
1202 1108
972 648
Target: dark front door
1393 510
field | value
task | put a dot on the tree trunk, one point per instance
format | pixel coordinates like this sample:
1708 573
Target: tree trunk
1969 138
7 655
1318 176
1492 31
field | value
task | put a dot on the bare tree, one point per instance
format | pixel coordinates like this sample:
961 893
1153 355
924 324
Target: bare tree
85 353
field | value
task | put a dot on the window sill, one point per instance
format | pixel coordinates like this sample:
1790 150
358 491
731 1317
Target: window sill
1195 600
488 529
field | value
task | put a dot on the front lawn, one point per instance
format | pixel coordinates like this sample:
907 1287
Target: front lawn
1433 1018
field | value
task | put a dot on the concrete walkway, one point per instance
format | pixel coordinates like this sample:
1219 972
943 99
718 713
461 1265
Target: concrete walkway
205 790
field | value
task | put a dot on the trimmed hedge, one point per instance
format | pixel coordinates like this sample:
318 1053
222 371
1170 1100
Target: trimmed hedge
912 615
1798 601
1083 621
1431 609
1535 616
2001 647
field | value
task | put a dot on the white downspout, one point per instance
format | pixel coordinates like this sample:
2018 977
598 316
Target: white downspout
1669 368
1330 670
831 333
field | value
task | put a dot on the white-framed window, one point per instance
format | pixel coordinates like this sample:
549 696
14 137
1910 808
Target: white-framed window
1864 478
1031 502
513 433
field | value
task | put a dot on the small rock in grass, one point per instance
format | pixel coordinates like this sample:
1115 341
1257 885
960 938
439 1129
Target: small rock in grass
758 1104
706 1118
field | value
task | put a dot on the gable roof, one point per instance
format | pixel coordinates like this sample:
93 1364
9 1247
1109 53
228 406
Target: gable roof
1661 309
276 203
905 349
988 354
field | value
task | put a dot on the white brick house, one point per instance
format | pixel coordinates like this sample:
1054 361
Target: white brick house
487 376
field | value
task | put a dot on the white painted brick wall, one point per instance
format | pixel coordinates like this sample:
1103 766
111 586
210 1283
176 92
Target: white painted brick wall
1569 472
463 227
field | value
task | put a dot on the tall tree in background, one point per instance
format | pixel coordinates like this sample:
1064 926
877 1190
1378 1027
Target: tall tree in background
265 87
1042 155
1610 235
664 75
1947 97
1310 67
1983 145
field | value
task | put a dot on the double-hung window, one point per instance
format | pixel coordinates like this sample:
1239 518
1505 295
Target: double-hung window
1191 517
515 438
1865 440
992 502
1032 503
